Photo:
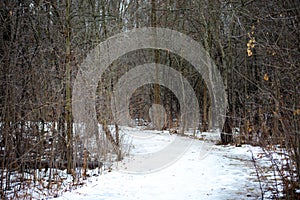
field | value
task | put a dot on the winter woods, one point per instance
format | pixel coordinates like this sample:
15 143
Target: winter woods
255 45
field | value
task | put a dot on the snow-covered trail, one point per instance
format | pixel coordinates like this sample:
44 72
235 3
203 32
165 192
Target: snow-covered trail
152 162
202 171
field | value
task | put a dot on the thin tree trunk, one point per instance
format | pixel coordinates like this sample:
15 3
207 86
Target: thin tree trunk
68 87
157 116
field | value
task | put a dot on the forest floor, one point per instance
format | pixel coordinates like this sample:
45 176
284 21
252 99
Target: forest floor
164 166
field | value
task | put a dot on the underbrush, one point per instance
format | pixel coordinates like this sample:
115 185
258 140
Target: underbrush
44 183
277 173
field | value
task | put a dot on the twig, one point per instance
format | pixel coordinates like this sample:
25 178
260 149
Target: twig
257 174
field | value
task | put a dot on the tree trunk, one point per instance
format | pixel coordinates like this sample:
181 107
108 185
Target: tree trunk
226 134
204 118
68 108
157 116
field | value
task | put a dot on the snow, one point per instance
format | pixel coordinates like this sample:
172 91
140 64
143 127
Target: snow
199 170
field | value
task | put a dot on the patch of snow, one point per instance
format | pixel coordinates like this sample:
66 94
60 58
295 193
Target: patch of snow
202 172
